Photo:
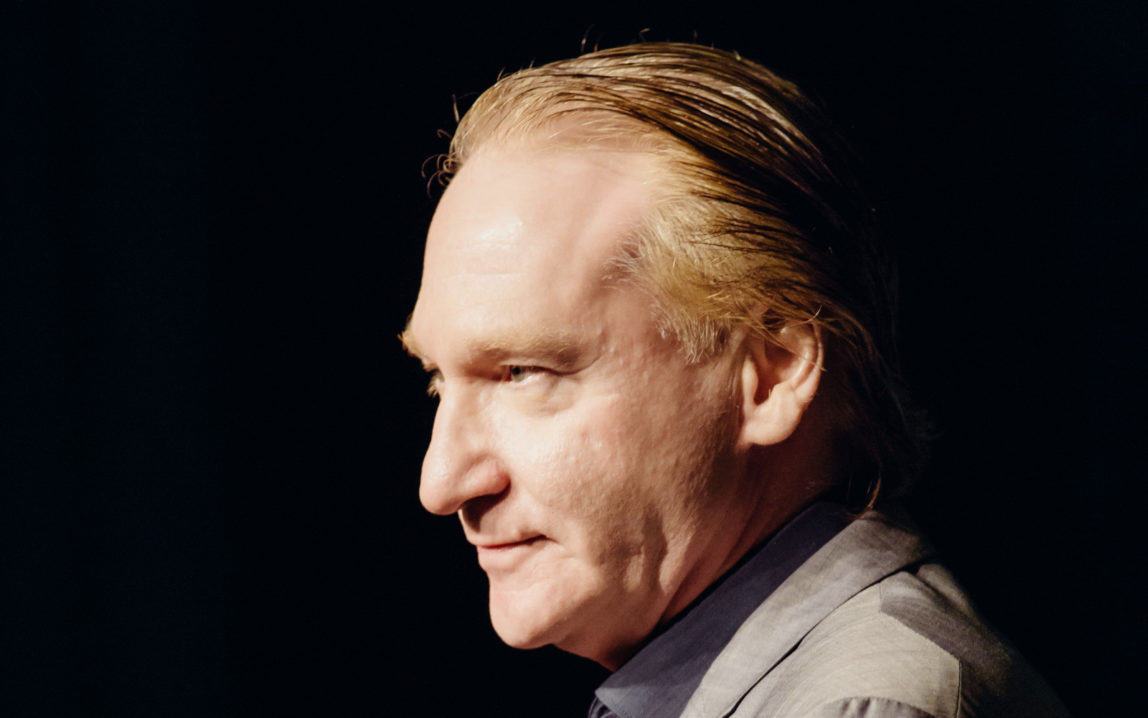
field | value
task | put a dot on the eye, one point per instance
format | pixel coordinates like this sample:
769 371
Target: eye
516 374
433 383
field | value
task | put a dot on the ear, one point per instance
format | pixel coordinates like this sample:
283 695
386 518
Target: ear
779 380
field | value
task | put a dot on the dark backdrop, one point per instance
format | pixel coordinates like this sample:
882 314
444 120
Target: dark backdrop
212 219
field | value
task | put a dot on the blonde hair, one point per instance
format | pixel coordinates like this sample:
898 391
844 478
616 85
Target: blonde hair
758 224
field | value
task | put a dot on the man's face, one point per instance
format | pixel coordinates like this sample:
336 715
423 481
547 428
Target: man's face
595 470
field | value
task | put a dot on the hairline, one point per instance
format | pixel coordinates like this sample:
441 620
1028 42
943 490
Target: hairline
560 130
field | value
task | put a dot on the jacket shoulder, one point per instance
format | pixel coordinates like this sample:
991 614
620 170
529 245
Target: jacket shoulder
908 646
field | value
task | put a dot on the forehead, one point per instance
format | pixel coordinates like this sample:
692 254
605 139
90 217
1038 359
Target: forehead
541 206
529 231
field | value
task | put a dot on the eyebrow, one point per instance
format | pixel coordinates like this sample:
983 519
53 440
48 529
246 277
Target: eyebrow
559 348
410 346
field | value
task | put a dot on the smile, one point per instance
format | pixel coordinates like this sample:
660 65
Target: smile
507 556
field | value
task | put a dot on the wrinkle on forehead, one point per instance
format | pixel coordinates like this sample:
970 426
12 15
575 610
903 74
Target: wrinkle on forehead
526 243
552 210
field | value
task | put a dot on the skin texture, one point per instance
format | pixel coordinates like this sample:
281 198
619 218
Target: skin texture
604 480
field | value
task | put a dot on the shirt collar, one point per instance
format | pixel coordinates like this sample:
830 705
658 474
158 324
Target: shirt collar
660 678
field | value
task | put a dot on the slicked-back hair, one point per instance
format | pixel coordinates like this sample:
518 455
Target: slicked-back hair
757 225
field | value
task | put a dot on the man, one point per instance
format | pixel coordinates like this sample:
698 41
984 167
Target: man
659 331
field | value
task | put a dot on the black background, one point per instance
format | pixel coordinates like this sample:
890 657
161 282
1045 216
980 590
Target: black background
212 219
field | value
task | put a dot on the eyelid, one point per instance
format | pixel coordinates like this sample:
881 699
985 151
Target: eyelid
434 382
508 373
517 373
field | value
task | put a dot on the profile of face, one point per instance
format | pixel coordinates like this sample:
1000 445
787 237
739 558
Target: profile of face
600 475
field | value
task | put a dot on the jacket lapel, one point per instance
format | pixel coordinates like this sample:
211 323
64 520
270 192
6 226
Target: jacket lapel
869 549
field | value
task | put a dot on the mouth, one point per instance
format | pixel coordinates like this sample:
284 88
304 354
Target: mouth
501 557
509 544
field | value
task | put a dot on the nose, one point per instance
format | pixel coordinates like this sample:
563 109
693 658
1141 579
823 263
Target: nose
460 463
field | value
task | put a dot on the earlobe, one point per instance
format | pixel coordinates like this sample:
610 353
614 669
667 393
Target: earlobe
779 379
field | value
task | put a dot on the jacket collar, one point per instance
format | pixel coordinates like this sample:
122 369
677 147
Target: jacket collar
661 678
870 548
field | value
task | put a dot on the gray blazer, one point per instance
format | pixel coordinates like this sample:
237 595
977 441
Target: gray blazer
869 626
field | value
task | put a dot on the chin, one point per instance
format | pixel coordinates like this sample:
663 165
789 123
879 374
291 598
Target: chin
521 622
527 620
512 634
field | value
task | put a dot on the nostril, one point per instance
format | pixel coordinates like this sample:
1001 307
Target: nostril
474 509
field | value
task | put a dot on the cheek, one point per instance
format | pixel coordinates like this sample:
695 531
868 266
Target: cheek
581 469
583 452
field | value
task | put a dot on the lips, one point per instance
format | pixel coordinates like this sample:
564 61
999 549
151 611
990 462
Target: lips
506 556
498 546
